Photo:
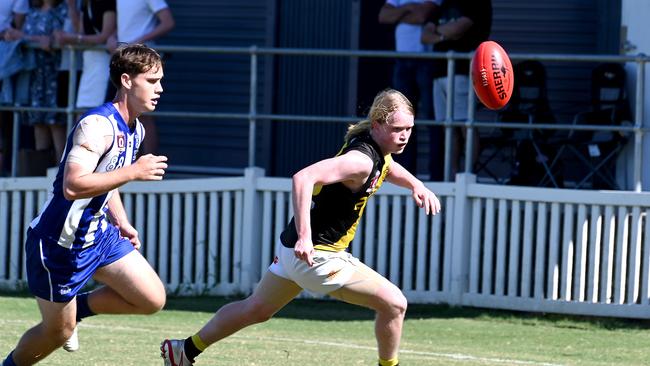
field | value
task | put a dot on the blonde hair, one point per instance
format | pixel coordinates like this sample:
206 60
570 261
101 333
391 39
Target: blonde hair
385 104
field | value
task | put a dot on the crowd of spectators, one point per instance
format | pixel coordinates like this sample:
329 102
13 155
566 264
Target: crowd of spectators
38 76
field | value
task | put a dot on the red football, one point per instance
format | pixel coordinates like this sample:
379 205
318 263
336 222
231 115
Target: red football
492 75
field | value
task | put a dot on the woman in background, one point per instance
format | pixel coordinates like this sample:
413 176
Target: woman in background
96 24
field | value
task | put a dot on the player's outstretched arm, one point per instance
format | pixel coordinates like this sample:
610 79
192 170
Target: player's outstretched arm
423 197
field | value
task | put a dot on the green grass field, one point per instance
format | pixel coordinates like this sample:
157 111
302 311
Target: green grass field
310 332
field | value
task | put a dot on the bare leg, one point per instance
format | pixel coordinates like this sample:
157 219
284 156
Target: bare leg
42 137
132 287
271 295
369 289
58 322
58 138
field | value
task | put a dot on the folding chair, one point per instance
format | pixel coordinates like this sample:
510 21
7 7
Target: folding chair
597 150
529 104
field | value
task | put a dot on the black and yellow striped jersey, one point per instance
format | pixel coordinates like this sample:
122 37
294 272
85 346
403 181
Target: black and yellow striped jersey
336 210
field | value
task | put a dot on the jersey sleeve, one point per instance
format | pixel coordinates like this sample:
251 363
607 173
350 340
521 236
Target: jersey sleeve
91 138
360 146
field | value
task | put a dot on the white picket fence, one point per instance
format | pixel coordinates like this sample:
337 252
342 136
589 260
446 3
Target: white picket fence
530 249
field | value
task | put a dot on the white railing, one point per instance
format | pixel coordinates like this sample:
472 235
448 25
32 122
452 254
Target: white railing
530 249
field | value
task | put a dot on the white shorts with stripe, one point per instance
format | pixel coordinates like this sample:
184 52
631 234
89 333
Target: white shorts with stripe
331 270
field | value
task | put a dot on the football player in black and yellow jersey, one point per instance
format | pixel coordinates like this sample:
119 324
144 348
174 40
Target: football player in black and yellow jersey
329 198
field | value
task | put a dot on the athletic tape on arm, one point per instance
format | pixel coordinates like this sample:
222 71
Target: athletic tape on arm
91 139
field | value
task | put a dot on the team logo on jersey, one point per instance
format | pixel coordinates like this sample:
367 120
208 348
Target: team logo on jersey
121 141
373 183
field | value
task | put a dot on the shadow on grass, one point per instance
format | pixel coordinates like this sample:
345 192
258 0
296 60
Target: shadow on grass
328 310
325 310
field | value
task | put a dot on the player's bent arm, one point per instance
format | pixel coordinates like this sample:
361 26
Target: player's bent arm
91 138
351 168
80 181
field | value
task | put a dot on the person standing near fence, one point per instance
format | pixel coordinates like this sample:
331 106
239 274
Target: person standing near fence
329 198
461 26
73 239
412 77
96 23
143 21
45 17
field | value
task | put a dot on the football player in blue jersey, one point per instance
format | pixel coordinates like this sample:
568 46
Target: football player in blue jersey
73 239
329 198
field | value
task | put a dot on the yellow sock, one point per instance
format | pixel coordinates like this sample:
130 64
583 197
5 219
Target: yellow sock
200 345
391 362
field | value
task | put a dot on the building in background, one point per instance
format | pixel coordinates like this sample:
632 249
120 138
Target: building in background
335 86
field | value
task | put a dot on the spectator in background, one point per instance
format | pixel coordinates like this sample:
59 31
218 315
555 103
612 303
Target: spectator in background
70 25
461 27
143 21
43 18
96 24
412 77
12 15
12 18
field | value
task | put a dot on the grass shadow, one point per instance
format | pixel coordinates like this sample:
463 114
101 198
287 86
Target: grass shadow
326 310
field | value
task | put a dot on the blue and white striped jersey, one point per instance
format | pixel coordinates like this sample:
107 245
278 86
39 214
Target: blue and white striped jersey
79 223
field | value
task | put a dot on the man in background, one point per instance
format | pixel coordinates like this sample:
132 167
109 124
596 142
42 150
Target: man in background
412 77
461 27
143 21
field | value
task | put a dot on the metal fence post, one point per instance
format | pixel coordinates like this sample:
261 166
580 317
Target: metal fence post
15 138
252 108
638 123
449 116
72 88
472 133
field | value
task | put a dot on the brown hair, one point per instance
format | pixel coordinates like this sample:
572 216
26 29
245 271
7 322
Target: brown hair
385 104
132 59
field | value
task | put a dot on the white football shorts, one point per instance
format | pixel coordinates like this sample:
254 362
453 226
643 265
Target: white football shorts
331 270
